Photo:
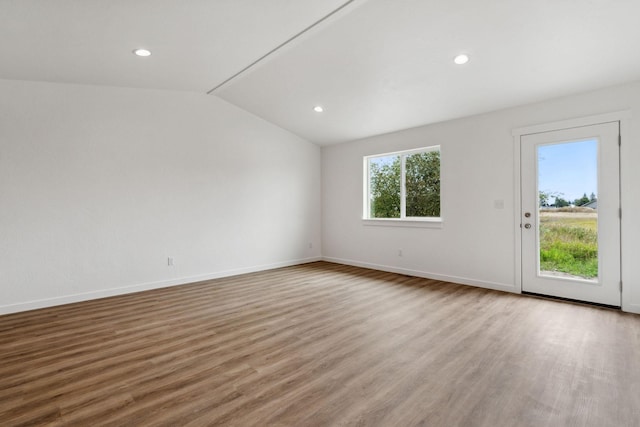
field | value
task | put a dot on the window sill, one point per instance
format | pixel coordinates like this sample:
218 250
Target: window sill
413 223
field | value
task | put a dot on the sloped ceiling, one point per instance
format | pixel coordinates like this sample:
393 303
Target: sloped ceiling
196 44
374 65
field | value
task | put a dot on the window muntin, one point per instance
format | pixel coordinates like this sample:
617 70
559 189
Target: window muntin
403 185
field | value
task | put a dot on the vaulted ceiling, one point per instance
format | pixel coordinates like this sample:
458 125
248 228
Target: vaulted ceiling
374 65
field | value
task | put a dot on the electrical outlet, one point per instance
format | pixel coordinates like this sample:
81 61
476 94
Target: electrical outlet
399 252
310 245
170 261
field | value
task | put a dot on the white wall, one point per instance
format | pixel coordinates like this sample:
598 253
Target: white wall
98 186
476 242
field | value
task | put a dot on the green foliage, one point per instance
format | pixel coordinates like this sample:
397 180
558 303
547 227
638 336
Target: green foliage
582 200
560 202
385 187
569 247
546 196
423 184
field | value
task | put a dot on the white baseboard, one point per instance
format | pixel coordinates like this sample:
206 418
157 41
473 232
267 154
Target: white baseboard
631 308
67 299
427 275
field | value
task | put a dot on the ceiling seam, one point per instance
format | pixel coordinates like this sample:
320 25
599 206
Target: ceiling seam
280 46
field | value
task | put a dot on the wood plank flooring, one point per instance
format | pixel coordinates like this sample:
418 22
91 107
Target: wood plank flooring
320 345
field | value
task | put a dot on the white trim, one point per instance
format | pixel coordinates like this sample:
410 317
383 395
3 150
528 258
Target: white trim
403 187
427 275
86 296
405 152
631 308
627 276
366 203
410 222
572 123
517 205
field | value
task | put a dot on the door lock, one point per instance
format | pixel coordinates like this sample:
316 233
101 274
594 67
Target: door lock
527 214
527 226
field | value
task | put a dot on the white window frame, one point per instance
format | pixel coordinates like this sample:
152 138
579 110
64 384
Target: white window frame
403 221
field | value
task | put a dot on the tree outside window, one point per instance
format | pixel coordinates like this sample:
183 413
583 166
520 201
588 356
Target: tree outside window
404 185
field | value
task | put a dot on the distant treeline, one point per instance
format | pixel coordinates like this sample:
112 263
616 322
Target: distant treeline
555 199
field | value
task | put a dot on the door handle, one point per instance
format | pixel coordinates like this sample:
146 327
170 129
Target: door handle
527 226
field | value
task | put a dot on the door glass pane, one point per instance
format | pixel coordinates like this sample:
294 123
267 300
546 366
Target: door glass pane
568 209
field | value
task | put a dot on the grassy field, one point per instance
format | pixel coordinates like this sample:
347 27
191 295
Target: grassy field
569 243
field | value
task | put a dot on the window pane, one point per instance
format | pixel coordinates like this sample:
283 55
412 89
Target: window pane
384 185
423 184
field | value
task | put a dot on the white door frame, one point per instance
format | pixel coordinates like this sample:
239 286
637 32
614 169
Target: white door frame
619 116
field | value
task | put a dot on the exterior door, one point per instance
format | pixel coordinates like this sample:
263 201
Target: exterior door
570 213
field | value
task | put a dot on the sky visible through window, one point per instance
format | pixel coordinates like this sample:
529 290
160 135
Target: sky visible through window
569 170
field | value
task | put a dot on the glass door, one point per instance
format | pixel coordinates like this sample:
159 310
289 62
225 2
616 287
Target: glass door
570 213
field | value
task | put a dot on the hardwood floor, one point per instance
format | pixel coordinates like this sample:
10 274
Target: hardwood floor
320 345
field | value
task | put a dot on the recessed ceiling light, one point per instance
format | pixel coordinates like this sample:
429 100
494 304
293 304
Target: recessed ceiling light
461 59
318 109
142 52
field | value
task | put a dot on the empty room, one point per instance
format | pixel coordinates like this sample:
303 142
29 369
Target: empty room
319 213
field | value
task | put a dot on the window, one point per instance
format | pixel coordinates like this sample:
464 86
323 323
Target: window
403 185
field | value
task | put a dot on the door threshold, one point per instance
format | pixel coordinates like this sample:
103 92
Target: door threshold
574 301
